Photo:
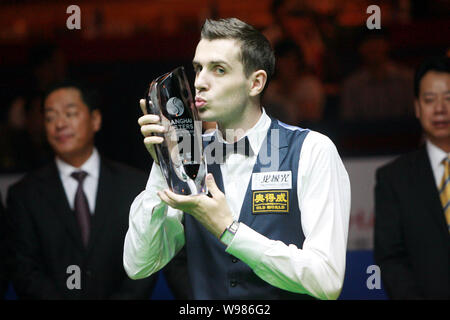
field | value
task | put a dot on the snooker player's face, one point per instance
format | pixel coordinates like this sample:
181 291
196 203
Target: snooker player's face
433 107
221 86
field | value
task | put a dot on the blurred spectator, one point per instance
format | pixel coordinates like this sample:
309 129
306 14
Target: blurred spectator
67 220
292 20
380 88
22 136
412 198
47 64
294 94
313 28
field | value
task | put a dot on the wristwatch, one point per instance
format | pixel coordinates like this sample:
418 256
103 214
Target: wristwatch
229 233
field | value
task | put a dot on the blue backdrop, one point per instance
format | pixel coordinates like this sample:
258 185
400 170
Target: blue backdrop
355 282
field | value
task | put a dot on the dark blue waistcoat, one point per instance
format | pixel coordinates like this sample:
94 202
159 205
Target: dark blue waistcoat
215 274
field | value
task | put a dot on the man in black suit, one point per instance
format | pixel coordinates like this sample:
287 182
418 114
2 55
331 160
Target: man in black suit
412 242
67 221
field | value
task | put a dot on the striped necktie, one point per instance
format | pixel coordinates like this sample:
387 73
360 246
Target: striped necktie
444 190
81 207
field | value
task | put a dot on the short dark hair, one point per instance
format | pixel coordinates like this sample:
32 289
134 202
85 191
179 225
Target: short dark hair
435 63
41 53
256 51
89 96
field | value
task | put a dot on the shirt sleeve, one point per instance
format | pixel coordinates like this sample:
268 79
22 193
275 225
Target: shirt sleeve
318 267
155 232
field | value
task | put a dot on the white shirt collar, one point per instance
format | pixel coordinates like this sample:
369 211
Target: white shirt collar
257 133
435 153
91 166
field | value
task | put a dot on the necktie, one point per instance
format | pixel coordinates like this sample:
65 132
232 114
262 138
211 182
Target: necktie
241 146
81 207
444 190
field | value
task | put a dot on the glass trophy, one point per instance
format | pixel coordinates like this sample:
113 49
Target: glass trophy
180 155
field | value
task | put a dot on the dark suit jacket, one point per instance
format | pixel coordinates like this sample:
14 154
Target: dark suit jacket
412 240
4 277
45 238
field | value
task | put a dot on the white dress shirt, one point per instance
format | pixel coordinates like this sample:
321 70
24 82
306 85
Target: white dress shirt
156 234
436 156
92 167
